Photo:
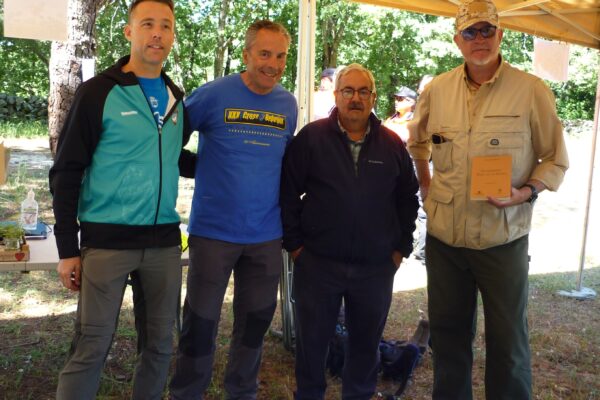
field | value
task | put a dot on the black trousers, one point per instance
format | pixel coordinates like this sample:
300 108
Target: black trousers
320 285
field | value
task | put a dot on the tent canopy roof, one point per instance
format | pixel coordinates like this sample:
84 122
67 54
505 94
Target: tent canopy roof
573 21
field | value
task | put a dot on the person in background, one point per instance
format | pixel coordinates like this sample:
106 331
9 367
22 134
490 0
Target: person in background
348 223
482 245
405 100
245 122
323 98
115 180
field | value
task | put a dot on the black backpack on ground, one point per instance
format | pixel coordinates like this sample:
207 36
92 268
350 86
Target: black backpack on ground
398 358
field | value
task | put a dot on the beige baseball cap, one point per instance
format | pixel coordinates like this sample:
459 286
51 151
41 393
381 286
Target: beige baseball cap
471 12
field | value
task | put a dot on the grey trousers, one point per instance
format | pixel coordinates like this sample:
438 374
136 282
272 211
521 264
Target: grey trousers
454 275
104 277
256 269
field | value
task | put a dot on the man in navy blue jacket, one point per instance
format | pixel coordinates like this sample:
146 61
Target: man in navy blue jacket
348 201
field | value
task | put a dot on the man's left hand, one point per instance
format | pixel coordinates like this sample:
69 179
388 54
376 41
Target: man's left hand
517 196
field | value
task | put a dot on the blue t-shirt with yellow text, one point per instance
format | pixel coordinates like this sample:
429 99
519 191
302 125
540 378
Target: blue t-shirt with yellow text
243 136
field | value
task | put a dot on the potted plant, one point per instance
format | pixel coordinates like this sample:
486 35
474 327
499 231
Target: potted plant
11 235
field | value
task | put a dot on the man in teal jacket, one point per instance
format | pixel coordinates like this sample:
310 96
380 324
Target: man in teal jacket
115 180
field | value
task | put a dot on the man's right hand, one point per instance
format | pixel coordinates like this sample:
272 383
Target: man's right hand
69 272
424 177
296 253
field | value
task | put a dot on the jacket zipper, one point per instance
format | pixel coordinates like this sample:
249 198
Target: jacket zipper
160 174
160 161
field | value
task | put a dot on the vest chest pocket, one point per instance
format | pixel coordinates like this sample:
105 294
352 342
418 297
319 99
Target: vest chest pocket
512 144
441 150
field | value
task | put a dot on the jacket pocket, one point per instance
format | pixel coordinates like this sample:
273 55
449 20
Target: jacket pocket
439 206
442 149
513 144
499 226
505 123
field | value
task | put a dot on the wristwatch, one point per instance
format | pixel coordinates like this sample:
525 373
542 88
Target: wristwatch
534 193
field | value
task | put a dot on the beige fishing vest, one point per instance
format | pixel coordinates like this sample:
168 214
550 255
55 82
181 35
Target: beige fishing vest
500 125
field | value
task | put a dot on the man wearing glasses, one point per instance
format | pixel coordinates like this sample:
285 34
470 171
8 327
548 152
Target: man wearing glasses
348 201
495 111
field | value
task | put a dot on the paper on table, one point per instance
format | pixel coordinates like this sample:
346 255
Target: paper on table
490 177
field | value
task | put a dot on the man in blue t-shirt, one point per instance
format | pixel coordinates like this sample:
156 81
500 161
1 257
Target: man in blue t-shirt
245 122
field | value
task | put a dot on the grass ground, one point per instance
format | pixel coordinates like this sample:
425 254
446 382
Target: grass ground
36 314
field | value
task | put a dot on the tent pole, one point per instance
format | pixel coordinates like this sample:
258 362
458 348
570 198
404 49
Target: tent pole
306 60
583 292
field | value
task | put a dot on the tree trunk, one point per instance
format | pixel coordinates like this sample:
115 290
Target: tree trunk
65 63
221 40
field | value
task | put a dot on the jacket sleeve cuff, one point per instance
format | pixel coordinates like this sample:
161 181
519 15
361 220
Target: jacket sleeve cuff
67 245
291 244
405 248
187 163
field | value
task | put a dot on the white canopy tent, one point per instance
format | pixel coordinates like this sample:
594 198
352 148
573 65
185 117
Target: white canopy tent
572 21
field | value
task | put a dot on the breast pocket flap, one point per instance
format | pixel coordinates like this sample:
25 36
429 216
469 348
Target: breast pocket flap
502 123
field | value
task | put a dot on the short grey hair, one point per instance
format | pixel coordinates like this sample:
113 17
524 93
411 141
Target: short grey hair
256 26
355 67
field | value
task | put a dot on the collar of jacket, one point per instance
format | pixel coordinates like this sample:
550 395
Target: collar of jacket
333 123
116 73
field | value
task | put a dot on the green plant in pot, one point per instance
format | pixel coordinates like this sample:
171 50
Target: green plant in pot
11 235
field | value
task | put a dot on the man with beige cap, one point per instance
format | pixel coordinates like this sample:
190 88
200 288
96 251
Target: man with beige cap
482 244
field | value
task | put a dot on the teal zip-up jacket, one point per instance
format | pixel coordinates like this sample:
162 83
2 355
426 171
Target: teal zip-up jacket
115 175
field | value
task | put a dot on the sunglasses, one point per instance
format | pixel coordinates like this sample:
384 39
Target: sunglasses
471 33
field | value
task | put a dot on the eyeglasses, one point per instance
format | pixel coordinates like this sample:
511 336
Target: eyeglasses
471 33
363 93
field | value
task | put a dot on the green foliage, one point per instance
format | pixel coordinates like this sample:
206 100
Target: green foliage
399 47
110 40
575 99
11 231
23 129
517 49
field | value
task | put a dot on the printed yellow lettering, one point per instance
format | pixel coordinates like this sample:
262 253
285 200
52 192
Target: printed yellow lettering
233 114
274 118
250 116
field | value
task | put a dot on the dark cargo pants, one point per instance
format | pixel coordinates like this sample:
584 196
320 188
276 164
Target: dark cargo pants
256 269
454 275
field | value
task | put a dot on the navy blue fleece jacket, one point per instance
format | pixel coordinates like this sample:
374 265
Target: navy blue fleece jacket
356 216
